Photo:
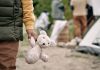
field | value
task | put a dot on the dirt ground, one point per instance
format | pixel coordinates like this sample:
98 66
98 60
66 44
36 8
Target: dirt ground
60 59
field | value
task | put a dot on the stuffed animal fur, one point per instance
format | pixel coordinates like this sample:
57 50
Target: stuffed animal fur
36 52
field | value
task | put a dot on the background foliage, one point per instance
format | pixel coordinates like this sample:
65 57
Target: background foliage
41 5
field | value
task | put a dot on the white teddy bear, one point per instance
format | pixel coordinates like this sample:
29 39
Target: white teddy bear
36 52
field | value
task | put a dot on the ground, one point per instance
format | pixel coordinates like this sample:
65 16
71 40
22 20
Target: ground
60 59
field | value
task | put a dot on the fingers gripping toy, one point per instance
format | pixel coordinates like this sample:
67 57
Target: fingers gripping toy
36 52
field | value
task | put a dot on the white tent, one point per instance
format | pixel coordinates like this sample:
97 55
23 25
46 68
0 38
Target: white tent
96 7
87 43
92 34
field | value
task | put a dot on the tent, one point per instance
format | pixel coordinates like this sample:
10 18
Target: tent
88 45
96 7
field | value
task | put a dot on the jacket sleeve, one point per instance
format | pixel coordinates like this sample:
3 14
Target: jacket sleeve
28 15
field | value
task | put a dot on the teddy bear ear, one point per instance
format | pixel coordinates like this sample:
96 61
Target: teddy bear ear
43 32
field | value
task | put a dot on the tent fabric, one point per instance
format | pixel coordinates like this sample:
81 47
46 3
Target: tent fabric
89 50
96 6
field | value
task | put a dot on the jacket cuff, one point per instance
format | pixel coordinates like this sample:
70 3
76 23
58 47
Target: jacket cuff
29 25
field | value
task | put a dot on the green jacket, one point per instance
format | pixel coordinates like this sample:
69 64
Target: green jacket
11 20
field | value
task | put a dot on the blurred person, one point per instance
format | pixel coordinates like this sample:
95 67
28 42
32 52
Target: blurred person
42 21
58 18
79 11
12 15
91 42
58 27
57 8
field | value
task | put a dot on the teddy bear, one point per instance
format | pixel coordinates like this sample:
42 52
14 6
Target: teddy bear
36 52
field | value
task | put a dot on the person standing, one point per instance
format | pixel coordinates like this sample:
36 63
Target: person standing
42 21
58 18
57 8
79 11
13 13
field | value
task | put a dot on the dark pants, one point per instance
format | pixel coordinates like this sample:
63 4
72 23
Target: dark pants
8 53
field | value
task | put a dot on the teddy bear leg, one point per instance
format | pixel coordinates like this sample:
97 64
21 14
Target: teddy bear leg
44 57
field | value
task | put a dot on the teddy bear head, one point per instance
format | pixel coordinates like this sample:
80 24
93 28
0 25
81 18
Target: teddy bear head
44 41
